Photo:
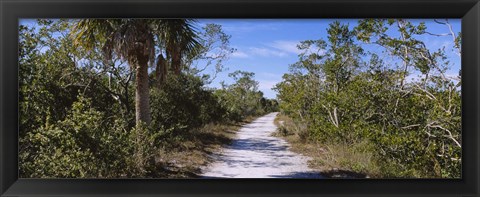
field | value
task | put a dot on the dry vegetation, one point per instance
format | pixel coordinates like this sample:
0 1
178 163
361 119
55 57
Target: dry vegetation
114 117
389 114
332 160
194 151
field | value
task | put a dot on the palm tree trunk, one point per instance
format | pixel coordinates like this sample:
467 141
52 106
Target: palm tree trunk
142 100
161 71
177 60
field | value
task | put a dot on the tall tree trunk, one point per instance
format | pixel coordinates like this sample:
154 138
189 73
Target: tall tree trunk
161 71
177 60
142 100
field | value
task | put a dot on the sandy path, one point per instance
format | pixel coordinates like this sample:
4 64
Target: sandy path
256 154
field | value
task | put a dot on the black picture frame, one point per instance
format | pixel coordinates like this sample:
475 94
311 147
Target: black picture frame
11 11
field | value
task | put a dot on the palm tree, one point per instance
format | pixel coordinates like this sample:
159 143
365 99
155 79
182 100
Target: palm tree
178 38
130 39
161 70
133 40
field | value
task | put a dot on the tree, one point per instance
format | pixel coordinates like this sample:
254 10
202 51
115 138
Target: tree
343 95
130 39
241 98
76 137
134 40
178 39
215 49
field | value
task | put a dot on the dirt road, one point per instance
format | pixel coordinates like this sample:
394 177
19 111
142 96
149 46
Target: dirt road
256 154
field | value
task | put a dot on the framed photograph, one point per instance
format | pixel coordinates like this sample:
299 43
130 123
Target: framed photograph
239 98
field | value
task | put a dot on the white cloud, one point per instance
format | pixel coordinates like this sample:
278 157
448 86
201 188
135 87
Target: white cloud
286 46
266 52
290 46
266 87
267 81
240 54
278 48
257 51
247 27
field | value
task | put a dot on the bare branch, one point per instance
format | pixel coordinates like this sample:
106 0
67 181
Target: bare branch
452 33
428 94
449 136
410 126
432 34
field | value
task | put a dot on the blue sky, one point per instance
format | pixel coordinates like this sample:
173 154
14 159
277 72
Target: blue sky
268 46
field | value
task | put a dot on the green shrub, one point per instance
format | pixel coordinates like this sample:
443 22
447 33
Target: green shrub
85 144
414 127
183 103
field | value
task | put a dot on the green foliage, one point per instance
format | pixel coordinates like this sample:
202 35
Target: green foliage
413 128
183 103
242 98
85 144
77 106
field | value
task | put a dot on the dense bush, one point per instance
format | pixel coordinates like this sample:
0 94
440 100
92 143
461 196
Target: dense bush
184 103
413 128
84 144
242 98
77 106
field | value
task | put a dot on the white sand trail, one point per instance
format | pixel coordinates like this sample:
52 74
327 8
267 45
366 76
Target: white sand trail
256 154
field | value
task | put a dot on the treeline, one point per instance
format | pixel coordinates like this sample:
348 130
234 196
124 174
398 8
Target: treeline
340 94
106 98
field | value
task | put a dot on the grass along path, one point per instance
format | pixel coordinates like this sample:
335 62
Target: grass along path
332 160
255 153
